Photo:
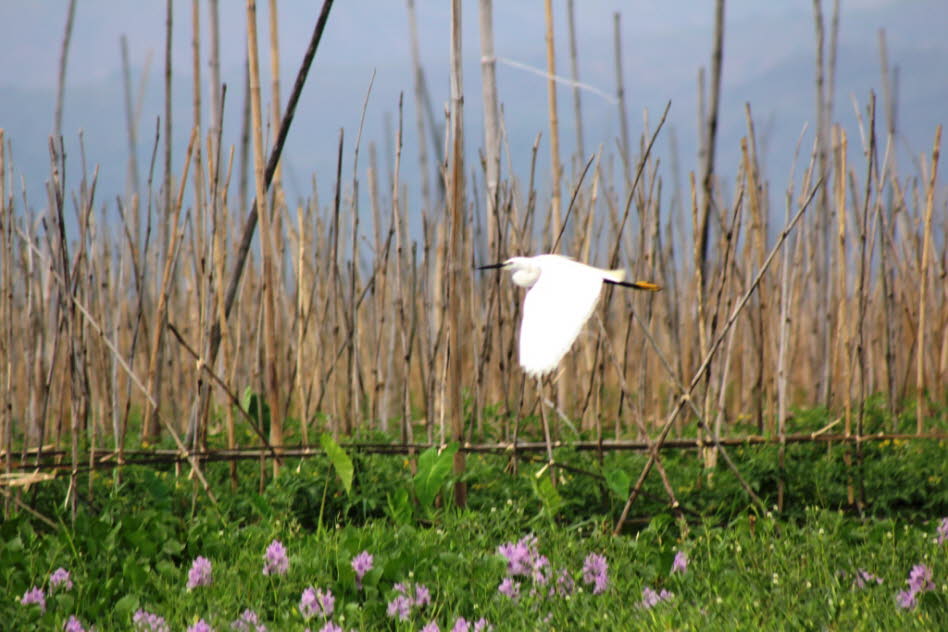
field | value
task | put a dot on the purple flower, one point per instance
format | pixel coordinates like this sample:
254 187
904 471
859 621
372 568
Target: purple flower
461 625
275 561
316 602
248 622
680 564
361 564
564 584
60 577
942 536
144 621
431 627
399 607
651 598
864 577
906 599
596 571
200 626
422 595
920 579
522 557
510 588
200 573
73 625
34 595
331 627
481 625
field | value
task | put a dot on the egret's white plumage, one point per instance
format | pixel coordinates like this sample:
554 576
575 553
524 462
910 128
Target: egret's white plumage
561 296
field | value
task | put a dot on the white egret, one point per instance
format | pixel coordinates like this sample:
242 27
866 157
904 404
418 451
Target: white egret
561 296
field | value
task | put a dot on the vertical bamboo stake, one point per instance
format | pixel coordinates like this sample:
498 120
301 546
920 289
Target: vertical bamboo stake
923 285
707 163
843 332
6 288
555 168
455 265
821 260
574 75
886 232
271 381
61 83
620 97
419 85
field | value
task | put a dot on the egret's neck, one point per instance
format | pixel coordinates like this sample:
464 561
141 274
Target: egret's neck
526 276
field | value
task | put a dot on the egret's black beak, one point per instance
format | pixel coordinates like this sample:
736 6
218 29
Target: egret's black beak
490 266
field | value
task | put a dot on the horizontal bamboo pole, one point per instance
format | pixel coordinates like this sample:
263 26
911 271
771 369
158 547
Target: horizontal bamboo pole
109 458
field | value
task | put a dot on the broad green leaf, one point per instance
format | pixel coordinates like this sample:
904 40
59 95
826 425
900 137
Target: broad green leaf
339 459
618 482
399 507
125 606
551 499
433 470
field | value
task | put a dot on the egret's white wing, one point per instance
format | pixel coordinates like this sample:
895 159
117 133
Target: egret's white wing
554 312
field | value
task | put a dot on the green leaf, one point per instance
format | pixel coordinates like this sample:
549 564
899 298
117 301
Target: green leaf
618 482
339 459
125 606
433 470
551 499
172 547
399 507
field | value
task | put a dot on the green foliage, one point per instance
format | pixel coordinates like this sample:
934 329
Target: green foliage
134 540
434 468
339 459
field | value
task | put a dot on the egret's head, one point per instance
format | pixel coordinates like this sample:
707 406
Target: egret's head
525 270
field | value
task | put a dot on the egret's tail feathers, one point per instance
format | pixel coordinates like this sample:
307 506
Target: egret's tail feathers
614 276
636 285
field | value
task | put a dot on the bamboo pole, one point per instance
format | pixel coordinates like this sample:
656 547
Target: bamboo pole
920 384
456 209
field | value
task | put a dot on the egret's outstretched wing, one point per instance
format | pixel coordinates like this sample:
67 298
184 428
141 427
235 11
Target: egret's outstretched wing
554 312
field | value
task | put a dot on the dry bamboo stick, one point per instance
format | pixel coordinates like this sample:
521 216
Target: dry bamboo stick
920 408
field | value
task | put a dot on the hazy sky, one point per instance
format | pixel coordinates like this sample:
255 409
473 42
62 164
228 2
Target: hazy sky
768 61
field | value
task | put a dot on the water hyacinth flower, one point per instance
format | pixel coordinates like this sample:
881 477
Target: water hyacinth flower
431 627
275 561
510 588
422 595
248 622
331 627
60 577
481 625
200 626
399 607
651 598
596 571
34 595
73 625
461 625
200 573
905 599
316 602
564 584
523 557
864 577
680 563
942 533
144 621
361 564
920 579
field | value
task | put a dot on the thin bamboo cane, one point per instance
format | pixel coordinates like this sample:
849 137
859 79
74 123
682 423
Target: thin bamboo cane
920 384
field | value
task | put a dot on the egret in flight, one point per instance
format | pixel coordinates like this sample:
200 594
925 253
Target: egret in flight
561 296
